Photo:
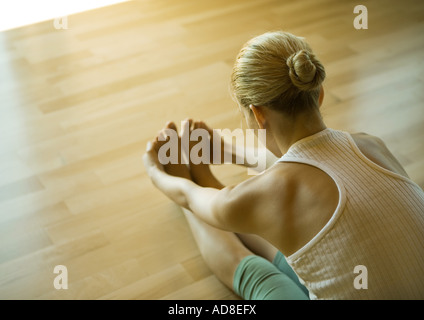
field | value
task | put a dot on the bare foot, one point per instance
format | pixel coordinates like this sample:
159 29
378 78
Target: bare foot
201 173
179 169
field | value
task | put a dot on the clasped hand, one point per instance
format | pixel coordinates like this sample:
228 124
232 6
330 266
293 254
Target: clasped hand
156 160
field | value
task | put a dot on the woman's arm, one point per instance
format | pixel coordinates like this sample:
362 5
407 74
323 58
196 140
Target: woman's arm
230 208
234 208
183 191
239 154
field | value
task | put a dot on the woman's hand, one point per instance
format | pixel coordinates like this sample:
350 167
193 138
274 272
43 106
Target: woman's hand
174 180
150 158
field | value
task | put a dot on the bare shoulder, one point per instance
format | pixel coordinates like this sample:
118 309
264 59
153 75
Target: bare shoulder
296 201
376 151
260 202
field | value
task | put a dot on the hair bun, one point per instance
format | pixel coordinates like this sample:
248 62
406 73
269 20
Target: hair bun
305 71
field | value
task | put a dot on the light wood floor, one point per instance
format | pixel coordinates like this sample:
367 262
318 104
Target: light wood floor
77 107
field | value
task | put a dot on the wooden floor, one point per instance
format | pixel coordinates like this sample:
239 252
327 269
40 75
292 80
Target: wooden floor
78 105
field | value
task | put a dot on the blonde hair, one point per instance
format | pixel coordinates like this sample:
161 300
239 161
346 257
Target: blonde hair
277 70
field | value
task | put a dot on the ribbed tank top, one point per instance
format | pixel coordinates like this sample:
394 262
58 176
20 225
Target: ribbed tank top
378 224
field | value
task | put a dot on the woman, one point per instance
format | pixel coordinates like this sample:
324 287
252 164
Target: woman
332 204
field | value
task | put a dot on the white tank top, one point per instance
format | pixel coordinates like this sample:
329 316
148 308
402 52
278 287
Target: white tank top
373 245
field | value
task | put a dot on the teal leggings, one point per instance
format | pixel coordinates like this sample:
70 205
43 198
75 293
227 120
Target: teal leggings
258 279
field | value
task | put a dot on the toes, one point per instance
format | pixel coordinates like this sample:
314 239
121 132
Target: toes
186 127
206 127
161 136
171 125
153 145
190 122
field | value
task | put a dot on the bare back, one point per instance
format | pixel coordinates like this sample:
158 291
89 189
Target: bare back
314 195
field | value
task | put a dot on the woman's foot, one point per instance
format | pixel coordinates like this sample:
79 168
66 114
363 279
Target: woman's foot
179 169
201 173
